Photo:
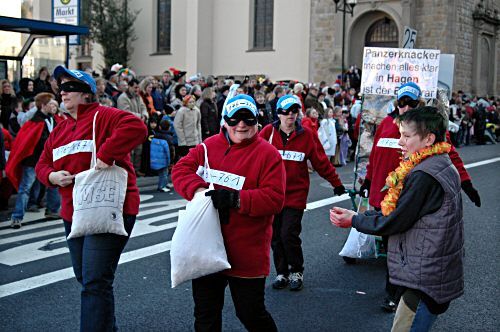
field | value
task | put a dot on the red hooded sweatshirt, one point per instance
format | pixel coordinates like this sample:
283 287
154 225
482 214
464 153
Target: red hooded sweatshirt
301 141
248 235
69 147
384 160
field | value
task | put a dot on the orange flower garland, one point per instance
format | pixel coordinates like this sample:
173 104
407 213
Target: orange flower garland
394 181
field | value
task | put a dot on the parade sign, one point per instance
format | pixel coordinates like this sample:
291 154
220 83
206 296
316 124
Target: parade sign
67 12
385 69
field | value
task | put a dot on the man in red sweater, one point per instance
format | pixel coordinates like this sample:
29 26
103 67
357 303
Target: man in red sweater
249 180
296 145
385 157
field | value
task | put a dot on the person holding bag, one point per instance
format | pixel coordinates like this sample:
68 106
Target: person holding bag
68 152
249 180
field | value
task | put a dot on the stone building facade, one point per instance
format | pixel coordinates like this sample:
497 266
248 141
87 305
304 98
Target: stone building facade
470 29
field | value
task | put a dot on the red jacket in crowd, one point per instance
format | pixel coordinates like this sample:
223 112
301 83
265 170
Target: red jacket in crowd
69 147
310 123
302 140
248 235
384 160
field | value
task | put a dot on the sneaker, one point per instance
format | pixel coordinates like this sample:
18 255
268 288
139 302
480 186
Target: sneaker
389 305
52 215
170 185
32 208
296 281
280 282
16 224
165 190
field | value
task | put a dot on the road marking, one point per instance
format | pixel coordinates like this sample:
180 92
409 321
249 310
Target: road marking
481 163
67 273
166 207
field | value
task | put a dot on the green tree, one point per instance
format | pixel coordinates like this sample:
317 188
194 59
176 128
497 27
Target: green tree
111 24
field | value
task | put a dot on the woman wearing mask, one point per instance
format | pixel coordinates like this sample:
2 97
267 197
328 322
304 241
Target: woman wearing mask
67 152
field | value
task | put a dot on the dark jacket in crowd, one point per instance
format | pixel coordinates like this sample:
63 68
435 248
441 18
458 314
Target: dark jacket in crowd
210 124
8 104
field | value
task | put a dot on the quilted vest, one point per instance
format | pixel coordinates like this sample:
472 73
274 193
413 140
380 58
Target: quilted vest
429 256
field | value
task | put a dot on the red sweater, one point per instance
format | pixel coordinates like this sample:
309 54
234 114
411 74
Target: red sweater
310 123
117 133
248 235
305 141
384 160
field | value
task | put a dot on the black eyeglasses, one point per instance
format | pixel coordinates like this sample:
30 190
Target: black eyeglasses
407 101
293 110
249 121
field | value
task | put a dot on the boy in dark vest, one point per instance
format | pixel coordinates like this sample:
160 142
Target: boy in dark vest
422 215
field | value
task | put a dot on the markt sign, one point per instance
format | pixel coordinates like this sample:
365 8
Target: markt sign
67 12
385 69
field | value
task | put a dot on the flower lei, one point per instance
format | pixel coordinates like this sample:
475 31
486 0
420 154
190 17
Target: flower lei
395 179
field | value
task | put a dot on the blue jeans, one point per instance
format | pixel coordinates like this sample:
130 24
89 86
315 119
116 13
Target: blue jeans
420 320
23 193
162 177
95 259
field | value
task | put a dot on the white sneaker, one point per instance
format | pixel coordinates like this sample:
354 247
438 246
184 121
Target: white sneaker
170 185
165 190
16 224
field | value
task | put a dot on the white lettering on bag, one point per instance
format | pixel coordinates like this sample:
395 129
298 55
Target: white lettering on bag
84 145
221 178
391 143
292 155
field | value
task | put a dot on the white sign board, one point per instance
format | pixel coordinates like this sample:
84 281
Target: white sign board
385 69
409 37
446 71
67 12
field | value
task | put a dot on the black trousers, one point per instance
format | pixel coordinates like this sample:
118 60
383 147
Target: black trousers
286 242
248 299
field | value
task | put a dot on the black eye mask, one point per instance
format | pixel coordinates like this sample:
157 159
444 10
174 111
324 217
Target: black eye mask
74 86
249 120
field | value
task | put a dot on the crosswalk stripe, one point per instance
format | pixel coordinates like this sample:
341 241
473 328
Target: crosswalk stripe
67 273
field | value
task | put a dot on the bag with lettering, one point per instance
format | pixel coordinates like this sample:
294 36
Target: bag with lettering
360 245
197 247
98 197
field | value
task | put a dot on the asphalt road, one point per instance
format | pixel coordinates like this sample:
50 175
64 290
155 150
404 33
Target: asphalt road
38 292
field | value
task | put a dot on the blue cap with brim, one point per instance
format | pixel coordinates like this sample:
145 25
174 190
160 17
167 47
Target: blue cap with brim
76 74
288 101
240 102
409 89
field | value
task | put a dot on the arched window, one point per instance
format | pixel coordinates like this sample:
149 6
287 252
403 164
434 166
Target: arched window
382 33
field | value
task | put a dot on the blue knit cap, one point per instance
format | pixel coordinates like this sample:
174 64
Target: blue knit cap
287 101
409 89
76 74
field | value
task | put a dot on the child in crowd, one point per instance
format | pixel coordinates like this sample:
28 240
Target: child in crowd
422 215
160 155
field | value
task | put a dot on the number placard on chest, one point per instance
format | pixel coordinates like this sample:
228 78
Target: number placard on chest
391 143
292 155
221 178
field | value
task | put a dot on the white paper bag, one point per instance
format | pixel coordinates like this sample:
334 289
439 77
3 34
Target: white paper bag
197 247
98 197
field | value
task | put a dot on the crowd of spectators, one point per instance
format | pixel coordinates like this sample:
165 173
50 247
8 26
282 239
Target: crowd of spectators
183 111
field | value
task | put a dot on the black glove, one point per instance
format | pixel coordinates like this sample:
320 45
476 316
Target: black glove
340 190
224 200
364 191
471 192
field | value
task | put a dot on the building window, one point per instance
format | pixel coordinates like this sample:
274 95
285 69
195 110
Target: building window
263 24
164 26
382 33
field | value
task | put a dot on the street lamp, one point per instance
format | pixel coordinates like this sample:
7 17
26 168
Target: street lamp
345 7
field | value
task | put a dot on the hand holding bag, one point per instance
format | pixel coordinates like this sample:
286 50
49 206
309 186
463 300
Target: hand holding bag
360 245
197 247
98 197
